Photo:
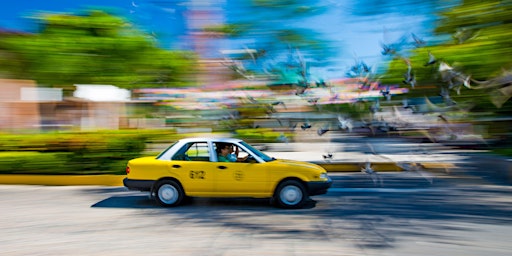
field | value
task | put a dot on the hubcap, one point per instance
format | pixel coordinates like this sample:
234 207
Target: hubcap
291 195
168 194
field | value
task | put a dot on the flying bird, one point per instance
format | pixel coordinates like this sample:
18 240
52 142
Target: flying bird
300 90
328 156
321 131
386 93
409 77
455 79
464 34
345 124
375 107
275 103
283 138
305 126
431 59
418 42
446 97
367 169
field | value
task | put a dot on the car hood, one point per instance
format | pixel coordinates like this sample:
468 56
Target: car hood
300 164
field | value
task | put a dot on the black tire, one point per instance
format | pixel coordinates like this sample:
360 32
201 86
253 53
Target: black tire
290 194
169 193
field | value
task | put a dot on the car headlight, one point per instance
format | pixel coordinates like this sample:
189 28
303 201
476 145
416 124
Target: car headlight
324 176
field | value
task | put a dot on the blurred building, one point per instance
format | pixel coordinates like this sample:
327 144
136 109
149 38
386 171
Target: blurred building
26 107
18 111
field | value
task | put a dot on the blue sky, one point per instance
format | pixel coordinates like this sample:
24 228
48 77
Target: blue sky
354 36
12 12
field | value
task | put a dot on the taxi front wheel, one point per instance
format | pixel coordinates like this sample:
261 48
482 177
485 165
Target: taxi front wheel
290 194
169 193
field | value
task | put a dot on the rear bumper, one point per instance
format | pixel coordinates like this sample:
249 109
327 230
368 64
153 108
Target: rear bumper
318 187
141 185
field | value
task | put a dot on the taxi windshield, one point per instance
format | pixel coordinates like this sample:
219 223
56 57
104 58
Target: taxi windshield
257 152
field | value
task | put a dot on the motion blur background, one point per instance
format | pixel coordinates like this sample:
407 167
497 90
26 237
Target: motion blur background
87 85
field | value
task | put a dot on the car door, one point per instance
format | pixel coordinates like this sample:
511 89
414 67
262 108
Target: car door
241 179
193 164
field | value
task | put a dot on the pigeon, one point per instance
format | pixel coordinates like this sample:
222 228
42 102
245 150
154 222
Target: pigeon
328 156
283 138
386 93
409 77
446 97
431 59
387 50
345 124
275 103
305 126
367 169
463 34
454 78
405 103
375 107
418 42
300 90
321 131
313 100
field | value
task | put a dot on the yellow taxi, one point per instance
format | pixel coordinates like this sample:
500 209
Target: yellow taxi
224 167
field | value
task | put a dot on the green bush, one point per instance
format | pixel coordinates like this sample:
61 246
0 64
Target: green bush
31 162
104 152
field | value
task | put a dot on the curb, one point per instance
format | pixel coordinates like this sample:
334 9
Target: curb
62 180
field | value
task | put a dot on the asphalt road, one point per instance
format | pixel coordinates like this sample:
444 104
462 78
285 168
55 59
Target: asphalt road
406 214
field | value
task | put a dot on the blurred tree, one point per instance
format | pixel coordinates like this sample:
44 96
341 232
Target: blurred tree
93 48
474 47
277 42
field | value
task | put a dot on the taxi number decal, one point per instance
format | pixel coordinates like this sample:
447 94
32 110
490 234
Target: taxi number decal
197 175
238 175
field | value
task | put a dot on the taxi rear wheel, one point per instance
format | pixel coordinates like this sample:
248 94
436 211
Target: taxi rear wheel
290 194
169 193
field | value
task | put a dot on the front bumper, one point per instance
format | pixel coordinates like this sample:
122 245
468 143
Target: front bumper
318 187
141 185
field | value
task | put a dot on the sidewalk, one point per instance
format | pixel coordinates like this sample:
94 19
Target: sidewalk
338 157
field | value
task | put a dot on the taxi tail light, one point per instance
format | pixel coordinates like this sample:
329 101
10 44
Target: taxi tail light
127 170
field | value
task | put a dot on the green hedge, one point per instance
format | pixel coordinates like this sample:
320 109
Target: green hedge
104 152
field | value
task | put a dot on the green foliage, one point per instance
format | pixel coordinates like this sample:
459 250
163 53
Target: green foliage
103 152
95 48
31 162
476 42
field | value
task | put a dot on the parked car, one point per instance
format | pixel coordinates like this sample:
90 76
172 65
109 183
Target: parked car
192 168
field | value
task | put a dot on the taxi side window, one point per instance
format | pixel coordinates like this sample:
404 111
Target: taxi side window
198 152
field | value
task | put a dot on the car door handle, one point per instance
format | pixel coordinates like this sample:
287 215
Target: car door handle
176 166
222 167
